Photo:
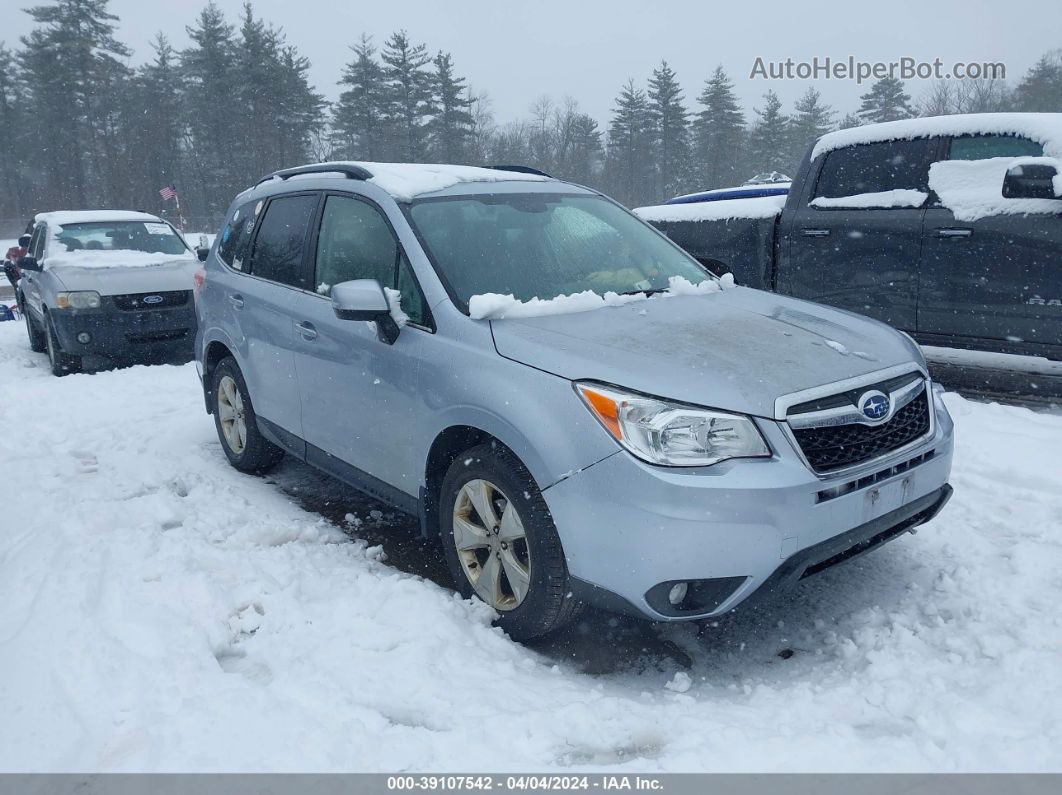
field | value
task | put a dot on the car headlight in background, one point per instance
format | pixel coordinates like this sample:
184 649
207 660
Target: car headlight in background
81 299
672 434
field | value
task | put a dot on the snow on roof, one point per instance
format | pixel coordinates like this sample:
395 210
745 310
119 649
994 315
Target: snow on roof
404 181
1045 128
760 207
61 217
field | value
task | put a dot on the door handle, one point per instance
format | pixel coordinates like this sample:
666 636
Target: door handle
307 330
815 232
236 301
954 232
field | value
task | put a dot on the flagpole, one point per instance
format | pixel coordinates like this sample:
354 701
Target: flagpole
180 215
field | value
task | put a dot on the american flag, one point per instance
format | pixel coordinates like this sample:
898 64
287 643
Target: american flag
168 192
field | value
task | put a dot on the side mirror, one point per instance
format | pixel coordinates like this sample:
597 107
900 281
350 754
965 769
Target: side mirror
24 241
1032 180
202 252
29 263
364 299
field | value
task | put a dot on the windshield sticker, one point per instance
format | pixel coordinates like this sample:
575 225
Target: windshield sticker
157 229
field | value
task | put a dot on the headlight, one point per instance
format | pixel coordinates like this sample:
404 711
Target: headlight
672 434
82 299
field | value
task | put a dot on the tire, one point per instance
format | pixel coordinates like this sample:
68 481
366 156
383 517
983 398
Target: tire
38 342
244 445
546 603
61 363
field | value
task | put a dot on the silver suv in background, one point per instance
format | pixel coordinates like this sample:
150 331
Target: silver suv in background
100 286
574 406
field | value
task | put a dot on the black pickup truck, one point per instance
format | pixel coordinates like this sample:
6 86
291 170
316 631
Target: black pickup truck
948 228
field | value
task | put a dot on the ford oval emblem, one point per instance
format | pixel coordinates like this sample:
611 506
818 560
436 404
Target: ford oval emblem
874 404
152 299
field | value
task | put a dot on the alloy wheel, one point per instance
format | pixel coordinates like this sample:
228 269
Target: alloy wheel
491 544
231 414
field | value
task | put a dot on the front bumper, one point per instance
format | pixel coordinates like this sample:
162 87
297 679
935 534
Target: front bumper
126 335
631 530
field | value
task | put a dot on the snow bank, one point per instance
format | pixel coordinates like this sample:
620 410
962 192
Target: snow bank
886 198
404 181
761 207
91 216
494 306
1045 128
162 612
973 189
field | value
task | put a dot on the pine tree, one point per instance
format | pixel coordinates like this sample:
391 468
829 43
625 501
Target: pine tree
449 129
209 90
849 120
409 87
671 135
72 69
1040 90
360 115
811 120
16 142
886 101
585 152
154 126
630 141
769 138
718 134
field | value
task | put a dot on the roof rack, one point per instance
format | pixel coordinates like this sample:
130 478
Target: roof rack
521 170
349 170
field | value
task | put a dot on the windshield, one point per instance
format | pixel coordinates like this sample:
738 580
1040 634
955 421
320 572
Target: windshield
150 237
545 245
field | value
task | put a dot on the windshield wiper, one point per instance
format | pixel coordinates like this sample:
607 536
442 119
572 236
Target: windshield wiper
647 292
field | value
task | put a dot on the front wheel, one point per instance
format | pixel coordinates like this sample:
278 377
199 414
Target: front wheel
237 424
61 363
501 543
37 341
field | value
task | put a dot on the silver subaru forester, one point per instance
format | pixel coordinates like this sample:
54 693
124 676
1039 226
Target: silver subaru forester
576 408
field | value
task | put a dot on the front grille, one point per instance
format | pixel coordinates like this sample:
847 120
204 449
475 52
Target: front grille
150 337
134 302
840 446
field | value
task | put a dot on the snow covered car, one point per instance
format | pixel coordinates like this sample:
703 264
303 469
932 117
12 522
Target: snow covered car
101 286
948 228
578 410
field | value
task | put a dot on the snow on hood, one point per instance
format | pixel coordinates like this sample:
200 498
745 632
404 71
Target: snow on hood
404 181
171 274
760 207
973 189
887 198
736 350
113 258
495 306
1045 128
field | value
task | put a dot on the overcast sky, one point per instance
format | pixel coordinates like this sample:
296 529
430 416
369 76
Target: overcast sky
516 52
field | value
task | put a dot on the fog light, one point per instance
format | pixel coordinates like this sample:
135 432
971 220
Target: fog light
677 593
84 338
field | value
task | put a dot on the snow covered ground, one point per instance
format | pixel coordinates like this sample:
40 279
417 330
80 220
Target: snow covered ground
160 611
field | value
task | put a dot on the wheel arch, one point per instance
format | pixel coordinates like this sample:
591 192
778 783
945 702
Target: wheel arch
214 352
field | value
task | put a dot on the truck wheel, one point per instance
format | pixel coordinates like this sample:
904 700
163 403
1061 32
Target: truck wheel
501 544
237 424
37 341
61 363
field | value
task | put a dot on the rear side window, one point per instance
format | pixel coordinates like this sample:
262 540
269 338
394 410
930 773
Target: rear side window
874 168
982 147
278 246
236 236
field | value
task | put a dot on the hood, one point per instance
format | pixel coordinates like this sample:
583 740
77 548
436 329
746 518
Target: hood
737 350
168 274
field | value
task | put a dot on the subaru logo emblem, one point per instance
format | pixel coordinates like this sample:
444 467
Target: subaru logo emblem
874 404
152 299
